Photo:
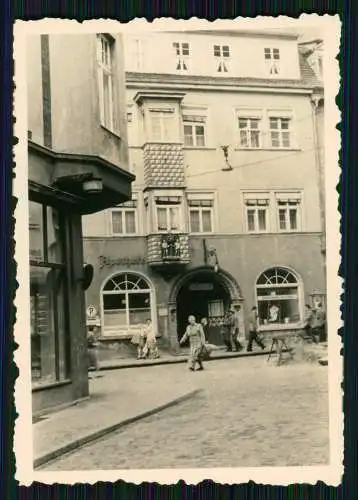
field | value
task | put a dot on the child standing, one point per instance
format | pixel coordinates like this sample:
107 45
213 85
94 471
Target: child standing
151 349
139 339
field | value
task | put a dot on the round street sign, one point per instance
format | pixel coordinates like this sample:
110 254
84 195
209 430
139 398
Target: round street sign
91 312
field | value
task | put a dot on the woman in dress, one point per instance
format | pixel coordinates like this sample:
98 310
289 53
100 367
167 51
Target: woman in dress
194 332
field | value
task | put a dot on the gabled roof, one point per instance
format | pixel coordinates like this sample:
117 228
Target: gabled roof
307 74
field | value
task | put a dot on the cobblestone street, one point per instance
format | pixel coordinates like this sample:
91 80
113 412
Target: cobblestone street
249 414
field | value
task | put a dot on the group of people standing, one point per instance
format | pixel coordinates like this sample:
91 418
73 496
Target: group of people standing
231 331
196 333
146 342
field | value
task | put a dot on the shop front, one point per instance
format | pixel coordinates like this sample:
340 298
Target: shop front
63 187
127 289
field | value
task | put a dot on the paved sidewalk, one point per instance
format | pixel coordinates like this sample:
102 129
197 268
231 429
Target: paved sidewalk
116 399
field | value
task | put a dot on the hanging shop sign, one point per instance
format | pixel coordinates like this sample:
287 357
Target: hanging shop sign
125 261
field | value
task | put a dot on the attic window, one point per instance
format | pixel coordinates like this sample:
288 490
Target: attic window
272 59
182 52
222 56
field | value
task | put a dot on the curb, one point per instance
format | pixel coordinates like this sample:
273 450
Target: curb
184 359
74 445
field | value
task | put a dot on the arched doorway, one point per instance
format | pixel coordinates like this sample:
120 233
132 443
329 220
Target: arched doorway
204 293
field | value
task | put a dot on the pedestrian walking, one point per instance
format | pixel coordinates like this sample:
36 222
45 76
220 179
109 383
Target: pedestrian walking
92 349
195 334
225 332
150 349
253 330
234 331
205 324
319 323
208 348
309 315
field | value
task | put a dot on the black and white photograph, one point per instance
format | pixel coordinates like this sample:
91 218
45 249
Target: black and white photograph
177 241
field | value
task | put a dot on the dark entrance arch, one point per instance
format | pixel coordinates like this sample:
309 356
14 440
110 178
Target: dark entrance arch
204 293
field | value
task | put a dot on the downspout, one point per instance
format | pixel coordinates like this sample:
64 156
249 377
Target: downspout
319 167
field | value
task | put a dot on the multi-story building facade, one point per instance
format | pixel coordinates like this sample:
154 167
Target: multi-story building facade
226 204
77 164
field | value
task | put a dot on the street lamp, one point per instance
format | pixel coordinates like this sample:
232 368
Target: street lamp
225 150
92 186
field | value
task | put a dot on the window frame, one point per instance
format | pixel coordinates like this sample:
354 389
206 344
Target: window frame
256 208
108 70
284 197
273 62
128 328
131 206
200 209
163 114
194 135
249 130
297 284
222 60
280 131
181 58
167 207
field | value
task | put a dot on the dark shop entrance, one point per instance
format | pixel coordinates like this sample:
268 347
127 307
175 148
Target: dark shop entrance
203 295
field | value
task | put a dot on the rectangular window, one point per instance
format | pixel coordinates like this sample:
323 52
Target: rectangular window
272 59
257 215
163 125
289 213
182 53
201 215
105 50
222 56
168 217
250 133
48 295
194 131
124 219
280 132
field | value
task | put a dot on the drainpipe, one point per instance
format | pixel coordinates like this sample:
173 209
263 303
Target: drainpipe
320 174
205 250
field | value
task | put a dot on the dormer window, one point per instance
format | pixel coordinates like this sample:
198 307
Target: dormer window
222 56
182 52
272 59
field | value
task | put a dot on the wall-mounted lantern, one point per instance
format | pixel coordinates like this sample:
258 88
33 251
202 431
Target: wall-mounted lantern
92 186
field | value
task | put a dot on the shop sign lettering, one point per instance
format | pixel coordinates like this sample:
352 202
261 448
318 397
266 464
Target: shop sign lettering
125 261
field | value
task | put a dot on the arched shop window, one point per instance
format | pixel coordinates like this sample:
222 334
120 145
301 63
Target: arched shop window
278 293
126 304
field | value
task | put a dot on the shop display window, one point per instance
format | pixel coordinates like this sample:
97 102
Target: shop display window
48 295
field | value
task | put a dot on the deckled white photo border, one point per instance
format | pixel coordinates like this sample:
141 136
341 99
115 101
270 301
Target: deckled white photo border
330 27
